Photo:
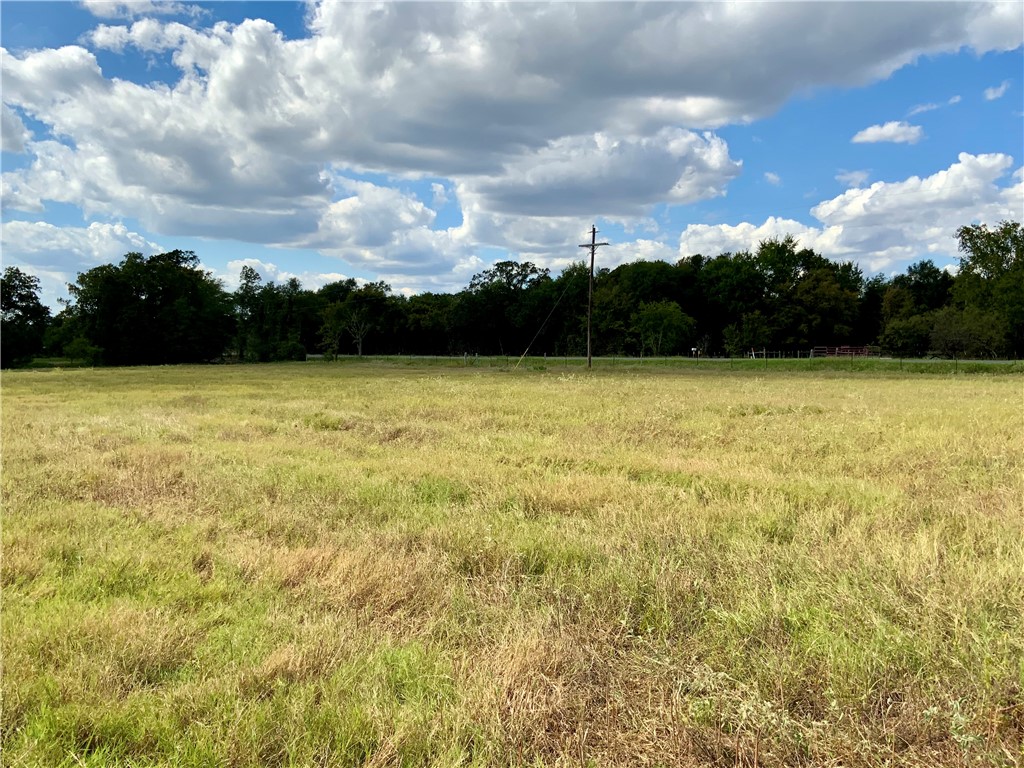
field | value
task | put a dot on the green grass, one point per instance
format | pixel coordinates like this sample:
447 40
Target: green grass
771 366
381 563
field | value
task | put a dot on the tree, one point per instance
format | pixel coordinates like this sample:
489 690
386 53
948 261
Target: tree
930 287
907 336
662 327
513 275
149 311
825 303
897 302
808 299
23 318
502 307
79 349
869 311
427 322
965 333
360 313
247 313
733 287
750 333
991 278
991 253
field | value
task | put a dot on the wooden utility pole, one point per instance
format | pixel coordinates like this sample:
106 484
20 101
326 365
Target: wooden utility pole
593 246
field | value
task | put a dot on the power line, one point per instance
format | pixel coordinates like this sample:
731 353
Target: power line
568 285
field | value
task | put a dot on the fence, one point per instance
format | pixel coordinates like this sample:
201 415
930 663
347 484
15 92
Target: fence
845 351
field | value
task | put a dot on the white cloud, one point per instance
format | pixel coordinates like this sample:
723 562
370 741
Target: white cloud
608 175
997 92
994 26
48 246
109 38
57 254
888 224
894 131
953 100
384 230
440 194
490 98
711 240
369 216
637 250
272 273
13 133
548 241
772 178
853 178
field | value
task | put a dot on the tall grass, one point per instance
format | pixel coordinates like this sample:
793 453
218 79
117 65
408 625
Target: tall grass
399 565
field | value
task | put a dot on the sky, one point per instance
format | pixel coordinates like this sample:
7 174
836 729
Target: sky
418 143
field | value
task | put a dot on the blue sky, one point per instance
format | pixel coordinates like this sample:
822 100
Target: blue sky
418 142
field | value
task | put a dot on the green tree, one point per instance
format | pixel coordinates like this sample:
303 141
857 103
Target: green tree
428 321
80 350
749 334
362 311
23 317
149 311
732 287
991 278
513 275
907 336
825 303
991 253
663 327
247 300
499 311
869 310
930 288
970 332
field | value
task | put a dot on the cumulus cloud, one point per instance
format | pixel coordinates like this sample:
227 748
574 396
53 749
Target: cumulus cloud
607 175
13 133
47 246
272 273
772 178
711 240
888 224
637 250
997 92
57 254
384 230
550 241
440 194
894 131
368 216
490 98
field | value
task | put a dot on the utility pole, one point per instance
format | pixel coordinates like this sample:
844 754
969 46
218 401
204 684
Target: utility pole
593 246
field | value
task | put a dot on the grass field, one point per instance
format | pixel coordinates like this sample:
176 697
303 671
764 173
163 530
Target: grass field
381 564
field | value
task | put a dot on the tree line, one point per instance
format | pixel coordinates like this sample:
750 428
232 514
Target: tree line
164 309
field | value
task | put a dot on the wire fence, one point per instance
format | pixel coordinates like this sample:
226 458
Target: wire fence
770 360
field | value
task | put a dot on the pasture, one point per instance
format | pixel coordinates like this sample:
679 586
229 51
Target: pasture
377 564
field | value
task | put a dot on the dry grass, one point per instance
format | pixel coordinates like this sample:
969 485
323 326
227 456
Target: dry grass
365 565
